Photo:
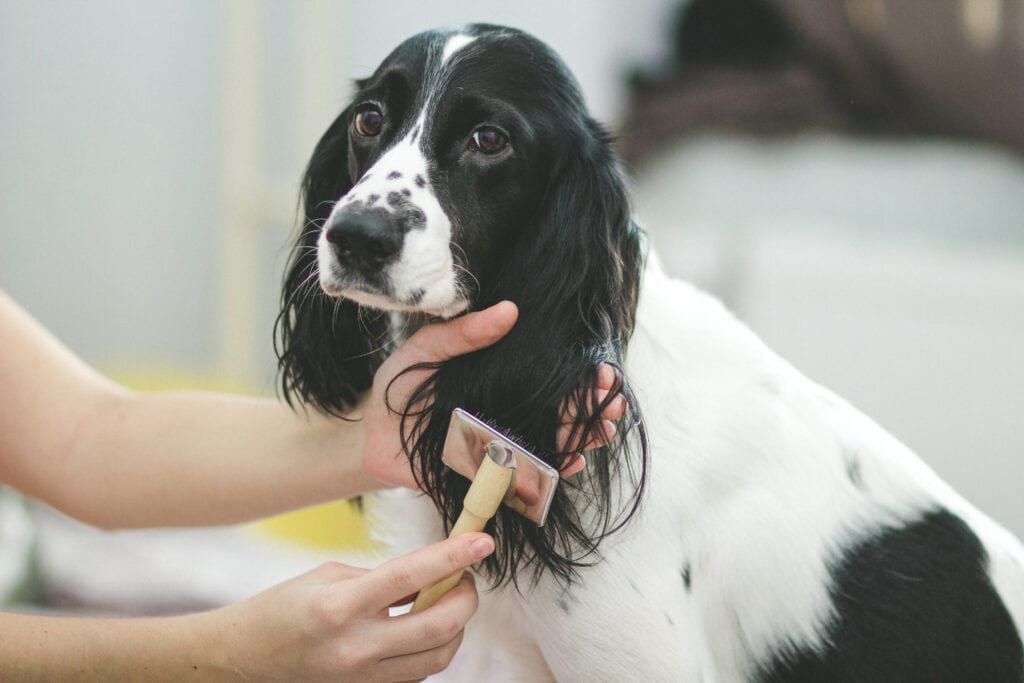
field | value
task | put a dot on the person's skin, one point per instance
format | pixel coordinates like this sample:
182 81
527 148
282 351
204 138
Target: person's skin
331 624
384 460
116 458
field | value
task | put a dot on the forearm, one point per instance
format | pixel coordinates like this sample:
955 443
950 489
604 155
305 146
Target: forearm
192 458
115 458
36 648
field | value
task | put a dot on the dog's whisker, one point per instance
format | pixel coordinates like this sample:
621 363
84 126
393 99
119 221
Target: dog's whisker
301 291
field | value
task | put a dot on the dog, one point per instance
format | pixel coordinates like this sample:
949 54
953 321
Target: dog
745 524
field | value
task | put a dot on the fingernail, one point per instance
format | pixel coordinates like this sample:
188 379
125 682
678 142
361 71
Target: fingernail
481 548
574 464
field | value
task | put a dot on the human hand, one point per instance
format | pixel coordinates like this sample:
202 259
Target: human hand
615 409
332 623
383 458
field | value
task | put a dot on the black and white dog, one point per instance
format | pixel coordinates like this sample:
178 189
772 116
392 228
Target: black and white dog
744 525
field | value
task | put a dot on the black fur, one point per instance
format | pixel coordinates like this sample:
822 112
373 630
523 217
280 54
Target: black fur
328 349
547 227
913 604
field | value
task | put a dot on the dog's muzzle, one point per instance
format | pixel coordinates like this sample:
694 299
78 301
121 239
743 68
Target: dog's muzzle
364 242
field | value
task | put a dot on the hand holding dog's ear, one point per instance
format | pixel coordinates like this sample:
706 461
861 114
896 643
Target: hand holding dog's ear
382 450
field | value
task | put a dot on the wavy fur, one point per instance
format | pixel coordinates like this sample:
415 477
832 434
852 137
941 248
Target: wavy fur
572 264
327 349
576 311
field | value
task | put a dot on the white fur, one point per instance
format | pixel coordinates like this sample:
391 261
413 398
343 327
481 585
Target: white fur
748 485
454 44
426 260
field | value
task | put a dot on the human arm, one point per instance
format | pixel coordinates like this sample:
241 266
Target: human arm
117 458
331 623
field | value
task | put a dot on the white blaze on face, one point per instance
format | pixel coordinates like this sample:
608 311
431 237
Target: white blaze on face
454 44
424 277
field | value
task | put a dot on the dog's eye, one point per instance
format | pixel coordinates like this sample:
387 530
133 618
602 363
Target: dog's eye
369 121
489 140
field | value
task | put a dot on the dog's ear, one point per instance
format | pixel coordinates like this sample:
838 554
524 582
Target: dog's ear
327 349
574 272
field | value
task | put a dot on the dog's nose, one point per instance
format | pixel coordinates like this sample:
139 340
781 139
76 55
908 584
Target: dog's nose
364 240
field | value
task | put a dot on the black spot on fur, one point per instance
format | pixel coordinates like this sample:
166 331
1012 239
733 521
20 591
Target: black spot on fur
394 175
372 199
416 296
685 573
913 603
406 192
853 472
414 219
668 618
394 199
420 182
566 600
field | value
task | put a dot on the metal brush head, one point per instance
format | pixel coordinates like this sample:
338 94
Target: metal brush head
470 440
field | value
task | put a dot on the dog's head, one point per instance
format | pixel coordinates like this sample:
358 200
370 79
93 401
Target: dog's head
466 171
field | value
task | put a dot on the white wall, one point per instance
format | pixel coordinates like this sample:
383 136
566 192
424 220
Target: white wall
108 171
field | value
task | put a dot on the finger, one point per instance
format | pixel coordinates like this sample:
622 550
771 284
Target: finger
567 440
605 376
602 438
408 574
405 600
441 341
419 665
435 626
615 409
527 487
574 464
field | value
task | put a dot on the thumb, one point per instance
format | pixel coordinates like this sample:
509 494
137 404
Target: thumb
470 332
408 574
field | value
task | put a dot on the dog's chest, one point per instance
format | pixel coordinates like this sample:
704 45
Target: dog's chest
627 616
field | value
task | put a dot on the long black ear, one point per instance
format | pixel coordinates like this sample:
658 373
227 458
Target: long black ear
327 349
574 274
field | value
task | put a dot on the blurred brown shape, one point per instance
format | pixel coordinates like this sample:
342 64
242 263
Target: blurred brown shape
769 67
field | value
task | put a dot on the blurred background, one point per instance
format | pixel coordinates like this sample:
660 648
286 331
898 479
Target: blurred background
845 174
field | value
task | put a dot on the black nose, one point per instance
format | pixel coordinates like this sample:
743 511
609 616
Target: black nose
364 240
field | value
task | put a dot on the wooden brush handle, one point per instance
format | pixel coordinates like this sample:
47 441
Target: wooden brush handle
482 500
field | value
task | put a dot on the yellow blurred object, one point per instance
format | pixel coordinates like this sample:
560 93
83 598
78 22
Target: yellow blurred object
338 525
177 379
